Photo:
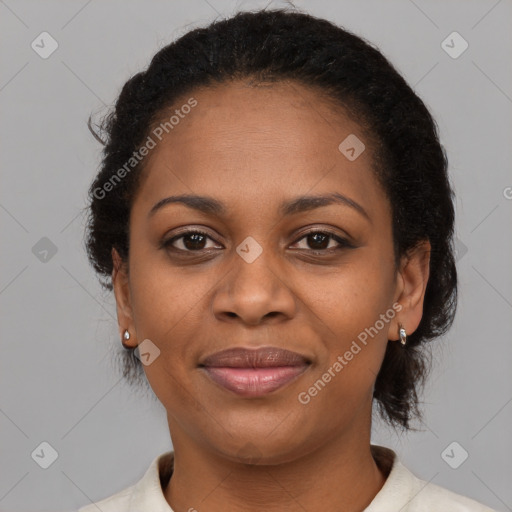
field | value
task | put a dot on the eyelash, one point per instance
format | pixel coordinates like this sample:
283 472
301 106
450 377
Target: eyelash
343 243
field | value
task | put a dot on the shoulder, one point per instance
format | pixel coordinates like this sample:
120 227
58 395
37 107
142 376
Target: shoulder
146 494
404 491
428 496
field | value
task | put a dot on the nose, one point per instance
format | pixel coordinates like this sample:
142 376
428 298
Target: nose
254 293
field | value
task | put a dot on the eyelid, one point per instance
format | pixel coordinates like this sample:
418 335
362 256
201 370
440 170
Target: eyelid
191 229
325 230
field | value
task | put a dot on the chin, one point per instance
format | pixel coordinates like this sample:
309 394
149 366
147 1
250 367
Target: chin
263 450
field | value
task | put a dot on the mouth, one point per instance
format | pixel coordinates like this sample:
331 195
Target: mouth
253 373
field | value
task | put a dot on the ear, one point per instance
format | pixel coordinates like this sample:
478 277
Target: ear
412 278
123 300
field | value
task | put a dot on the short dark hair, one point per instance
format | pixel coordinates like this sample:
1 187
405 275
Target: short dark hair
410 162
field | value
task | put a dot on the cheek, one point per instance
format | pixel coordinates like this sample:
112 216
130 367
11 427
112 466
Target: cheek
353 311
164 310
352 298
164 299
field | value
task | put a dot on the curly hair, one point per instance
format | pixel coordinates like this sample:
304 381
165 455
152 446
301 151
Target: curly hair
409 160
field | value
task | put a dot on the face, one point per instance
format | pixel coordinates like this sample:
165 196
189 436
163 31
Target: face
267 270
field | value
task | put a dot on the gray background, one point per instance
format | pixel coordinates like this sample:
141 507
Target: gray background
58 330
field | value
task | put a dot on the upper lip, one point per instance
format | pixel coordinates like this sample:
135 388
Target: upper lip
263 357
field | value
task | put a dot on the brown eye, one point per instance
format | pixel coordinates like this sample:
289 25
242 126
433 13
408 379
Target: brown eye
190 241
320 241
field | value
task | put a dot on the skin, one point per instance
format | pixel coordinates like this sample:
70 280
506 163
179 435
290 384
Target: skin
271 452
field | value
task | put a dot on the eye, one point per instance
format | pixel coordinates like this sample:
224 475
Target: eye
189 241
319 242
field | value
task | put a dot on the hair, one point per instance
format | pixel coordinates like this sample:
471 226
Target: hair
409 160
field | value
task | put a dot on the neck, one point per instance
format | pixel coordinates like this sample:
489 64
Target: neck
341 475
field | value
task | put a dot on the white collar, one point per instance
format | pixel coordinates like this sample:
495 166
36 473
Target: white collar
402 490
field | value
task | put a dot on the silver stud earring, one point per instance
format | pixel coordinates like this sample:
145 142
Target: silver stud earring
126 337
403 335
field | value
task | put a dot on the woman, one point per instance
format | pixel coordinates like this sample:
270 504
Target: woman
274 216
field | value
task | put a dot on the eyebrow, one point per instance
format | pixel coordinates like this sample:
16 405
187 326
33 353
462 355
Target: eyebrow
211 206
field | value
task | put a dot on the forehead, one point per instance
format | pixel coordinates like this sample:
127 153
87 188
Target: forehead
245 142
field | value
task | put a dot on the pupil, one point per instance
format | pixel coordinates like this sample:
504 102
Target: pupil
316 238
195 238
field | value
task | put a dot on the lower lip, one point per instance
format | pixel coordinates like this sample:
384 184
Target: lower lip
254 381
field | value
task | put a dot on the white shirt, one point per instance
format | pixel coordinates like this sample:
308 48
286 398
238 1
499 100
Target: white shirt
402 491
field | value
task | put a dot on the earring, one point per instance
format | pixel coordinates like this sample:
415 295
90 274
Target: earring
403 335
126 337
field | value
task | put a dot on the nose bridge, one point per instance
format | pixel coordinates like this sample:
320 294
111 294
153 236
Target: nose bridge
253 288
253 266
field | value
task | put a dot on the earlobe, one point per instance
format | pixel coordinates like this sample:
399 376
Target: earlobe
413 277
121 288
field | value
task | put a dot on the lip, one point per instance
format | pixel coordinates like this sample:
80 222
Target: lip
254 372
